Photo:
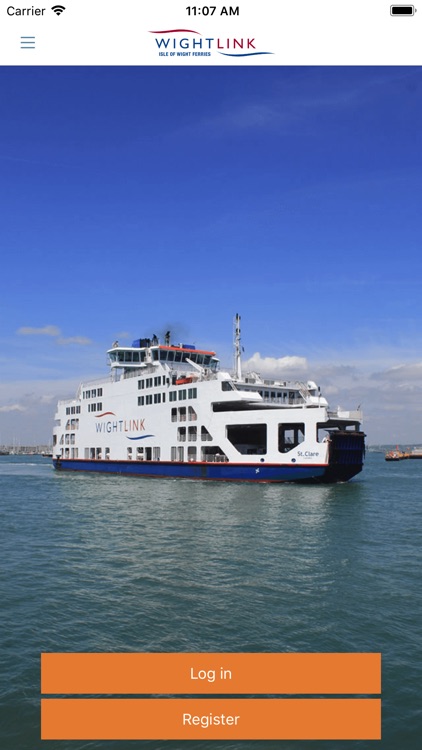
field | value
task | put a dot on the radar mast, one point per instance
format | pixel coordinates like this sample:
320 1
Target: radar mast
237 348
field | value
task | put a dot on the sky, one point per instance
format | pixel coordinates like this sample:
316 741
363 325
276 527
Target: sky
137 200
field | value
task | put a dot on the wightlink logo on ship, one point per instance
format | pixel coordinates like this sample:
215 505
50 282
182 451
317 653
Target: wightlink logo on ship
190 43
120 425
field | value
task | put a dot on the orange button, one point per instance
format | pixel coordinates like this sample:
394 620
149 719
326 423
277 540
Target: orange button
211 673
207 718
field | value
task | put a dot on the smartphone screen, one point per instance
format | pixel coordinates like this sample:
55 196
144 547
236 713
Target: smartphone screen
210 375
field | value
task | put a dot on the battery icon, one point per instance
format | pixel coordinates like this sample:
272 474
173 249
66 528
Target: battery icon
402 10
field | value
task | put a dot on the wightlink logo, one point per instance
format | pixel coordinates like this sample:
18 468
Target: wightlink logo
190 43
120 425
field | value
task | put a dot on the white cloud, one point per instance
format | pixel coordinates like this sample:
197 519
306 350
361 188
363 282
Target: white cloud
11 407
275 366
403 372
82 340
45 331
56 333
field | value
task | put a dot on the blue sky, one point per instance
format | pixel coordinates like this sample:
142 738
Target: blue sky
134 200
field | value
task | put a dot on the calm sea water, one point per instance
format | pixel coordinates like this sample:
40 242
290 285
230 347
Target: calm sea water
96 563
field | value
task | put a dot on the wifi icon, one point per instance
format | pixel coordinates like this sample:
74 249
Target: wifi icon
58 9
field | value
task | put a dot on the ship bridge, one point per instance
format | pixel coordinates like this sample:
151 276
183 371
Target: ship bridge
145 352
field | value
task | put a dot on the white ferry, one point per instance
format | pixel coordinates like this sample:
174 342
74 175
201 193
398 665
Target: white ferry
168 410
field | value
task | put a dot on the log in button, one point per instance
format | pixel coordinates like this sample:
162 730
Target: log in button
211 673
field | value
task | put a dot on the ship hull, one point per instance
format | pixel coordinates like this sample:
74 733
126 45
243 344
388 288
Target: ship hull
224 472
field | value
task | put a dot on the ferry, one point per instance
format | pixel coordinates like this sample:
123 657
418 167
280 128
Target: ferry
169 410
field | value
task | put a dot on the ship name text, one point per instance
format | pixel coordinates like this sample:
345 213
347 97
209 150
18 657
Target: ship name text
121 425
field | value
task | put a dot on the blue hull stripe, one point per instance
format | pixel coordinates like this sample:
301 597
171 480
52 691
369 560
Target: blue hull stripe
219 471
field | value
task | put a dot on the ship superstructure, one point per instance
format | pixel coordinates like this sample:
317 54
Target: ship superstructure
169 410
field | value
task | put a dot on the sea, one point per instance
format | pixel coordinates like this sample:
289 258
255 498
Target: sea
117 564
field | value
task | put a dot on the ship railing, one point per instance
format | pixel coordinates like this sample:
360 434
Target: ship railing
96 381
63 402
355 415
281 401
138 372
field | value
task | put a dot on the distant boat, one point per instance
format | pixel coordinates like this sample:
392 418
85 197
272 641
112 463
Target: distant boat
396 455
415 453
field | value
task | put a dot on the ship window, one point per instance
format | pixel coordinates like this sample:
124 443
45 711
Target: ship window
248 439
178 356
148 383
322 433
141 384
148 399
174 415
170 357
173 395
182 394
214 454
139 454
290 436
141 400
181 434
192 453
157 381
155 354
192 416
128 356
192 434
164 397
157 398
94 393
192 393
182 414
173 454
156 454
226 385
180 452
205 435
